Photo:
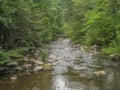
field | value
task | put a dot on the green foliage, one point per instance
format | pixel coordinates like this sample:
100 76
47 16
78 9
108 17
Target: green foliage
94 22
28 23
4 57
11 55
34 23
44 55
111 50
17 53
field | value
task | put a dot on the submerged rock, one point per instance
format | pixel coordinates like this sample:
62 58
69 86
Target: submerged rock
52 56
59 58
115 57
37 68
100 73
27 66
12 64
48 67
38 62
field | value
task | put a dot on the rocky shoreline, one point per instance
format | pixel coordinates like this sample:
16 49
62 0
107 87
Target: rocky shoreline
32 63
25 66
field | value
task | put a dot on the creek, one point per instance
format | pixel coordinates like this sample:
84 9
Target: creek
73 70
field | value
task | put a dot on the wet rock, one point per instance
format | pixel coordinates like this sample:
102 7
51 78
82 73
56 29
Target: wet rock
59 58
115 57
18 68
53 64
77 67
2 68
38 63
37 55
37 68
60 70
12 64
27 66
13 78
100 73
47 67
52 57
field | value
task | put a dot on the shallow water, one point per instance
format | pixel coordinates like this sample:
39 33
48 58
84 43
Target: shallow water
73 71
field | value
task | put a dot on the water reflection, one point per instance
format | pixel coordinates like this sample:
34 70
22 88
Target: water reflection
72 81
64 82
41 81
59 82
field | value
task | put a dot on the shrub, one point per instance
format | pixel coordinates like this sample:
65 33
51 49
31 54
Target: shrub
44 55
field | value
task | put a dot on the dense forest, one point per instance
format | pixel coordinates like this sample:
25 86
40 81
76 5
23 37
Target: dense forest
28 24
94 22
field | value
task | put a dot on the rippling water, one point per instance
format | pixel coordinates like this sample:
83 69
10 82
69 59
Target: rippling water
73 71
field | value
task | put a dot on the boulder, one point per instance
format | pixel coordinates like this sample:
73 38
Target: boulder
47 67
53 64
37 68
115 57
37 55
39 63
52 57
59 58
27 66
100 73
13 78
18 68
12 64
2 68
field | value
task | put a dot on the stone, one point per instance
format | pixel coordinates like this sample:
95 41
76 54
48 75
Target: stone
115 57
2 68
37 55
47 67
53 64
37 68
59 58
12 64
18 68
38 63
27 66
100 73
52 57
13 78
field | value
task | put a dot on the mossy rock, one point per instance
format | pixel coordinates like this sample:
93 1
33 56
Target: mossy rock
47 67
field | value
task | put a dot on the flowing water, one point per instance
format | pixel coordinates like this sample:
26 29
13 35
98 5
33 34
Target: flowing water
73 70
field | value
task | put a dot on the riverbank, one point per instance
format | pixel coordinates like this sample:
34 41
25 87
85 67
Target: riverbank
33 61
73 69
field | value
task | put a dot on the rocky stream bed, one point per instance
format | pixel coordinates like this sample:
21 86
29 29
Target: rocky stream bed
69 67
